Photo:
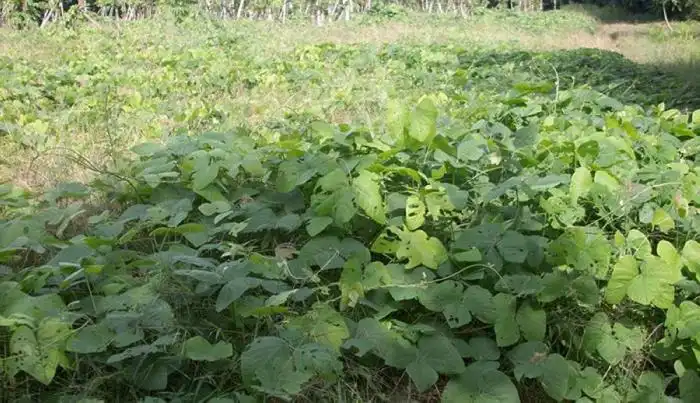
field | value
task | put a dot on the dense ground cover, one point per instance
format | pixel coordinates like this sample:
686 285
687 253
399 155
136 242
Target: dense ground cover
467 220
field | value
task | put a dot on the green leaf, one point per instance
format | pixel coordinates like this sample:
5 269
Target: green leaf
662 220
437 296
29 354
481 304
532 322
368 196
591 382
415 212
372 335
90 339
396 122
204 176
471 149
437 351
422 375
581 183
691 255
653 285
526 136
269 362
607 180
197 348
513 247
316 225
650 388
436 354
233 290
350 283
419 249
481 349
624 272
422 121
690 383
323 325
528 359
555 376
506 326
481 382
319 359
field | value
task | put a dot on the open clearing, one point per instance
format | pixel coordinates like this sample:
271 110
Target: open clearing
501 208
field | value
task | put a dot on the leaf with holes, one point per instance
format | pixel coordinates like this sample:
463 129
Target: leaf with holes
419 249
415 212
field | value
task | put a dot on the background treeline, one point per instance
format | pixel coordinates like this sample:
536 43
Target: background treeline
23 13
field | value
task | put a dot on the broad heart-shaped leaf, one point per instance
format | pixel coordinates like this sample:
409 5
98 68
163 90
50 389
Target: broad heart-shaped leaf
368 196
683 321
532 322
316 225
506 326
481 382
689 386
555 376
38 354
436 354
419 249
322 324
268 362
585 249
591 382
233 290
437 296
598 337
481 303
422 121
650 388
691 255
205 175
415 212
513 247
197 348
528 359
479 348
90 339
625 270
372 336
654 285
668 253
581 183
662 220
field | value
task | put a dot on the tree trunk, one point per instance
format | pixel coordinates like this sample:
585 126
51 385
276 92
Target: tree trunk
668 24
240 9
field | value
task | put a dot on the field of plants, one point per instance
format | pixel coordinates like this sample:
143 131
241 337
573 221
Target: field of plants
198 210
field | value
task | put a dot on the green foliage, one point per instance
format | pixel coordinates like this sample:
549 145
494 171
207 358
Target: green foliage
495 232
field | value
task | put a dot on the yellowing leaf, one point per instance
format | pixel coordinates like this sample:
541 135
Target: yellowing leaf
368 196
625 270
419 249
415 212
581 182
422 124
663 220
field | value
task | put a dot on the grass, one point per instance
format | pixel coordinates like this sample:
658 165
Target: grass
120 114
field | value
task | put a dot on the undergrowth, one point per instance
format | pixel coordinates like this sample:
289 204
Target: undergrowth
488 227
